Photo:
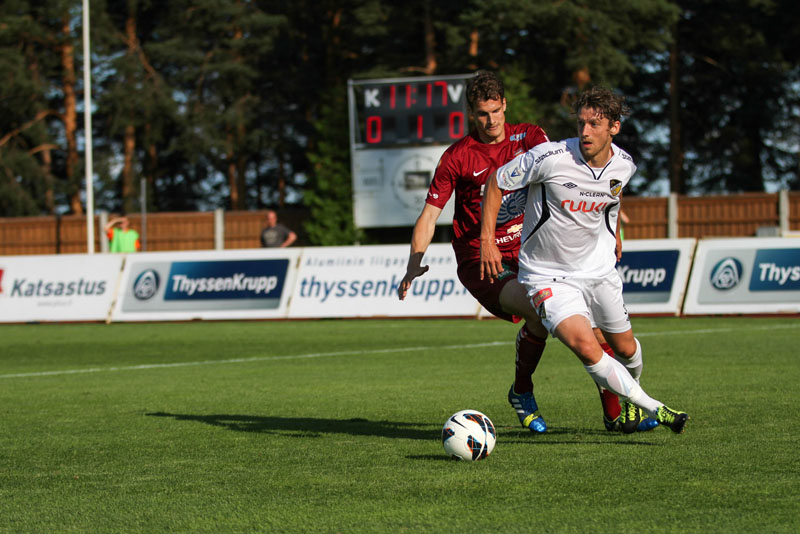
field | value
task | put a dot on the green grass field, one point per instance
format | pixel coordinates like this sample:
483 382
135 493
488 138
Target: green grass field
334 426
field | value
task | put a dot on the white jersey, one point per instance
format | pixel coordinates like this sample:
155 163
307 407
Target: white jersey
571 213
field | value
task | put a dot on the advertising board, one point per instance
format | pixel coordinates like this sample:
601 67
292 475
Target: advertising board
64 287
745 275
654 273
233 284
363 282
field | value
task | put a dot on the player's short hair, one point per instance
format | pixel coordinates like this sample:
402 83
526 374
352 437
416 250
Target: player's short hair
603 100
485 85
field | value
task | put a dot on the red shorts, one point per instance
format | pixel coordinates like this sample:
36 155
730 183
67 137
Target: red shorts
485 291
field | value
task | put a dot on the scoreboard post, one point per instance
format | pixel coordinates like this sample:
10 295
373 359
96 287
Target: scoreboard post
399 128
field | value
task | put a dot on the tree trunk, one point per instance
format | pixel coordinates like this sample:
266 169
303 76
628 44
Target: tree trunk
70 117
676 182
241 164
129 141
474 40
430 41
129 148
151 167
47 172
281 178
233 183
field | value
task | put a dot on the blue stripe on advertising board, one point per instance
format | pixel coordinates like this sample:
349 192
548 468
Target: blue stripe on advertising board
776 270
212 280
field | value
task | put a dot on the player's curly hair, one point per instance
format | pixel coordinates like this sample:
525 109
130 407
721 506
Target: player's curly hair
602 99
485 85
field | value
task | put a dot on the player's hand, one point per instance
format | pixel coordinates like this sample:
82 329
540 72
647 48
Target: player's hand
411 273
491 261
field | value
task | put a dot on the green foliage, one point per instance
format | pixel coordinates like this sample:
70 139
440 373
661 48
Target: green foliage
220 103
27 112
738 77
335 426
329 193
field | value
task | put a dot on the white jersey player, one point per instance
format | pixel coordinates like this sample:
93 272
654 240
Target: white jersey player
568 255
569 236
573 208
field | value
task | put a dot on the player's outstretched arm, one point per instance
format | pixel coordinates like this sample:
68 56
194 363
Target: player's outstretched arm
420 239
491 259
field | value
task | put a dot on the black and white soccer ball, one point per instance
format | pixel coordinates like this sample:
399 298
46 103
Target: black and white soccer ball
468 435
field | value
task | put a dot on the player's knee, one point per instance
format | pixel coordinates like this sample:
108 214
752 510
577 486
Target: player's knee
588 351
625 349
534 326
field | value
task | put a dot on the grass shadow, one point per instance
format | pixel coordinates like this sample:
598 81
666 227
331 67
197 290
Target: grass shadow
311 426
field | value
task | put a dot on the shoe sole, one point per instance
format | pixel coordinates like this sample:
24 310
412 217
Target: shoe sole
681 424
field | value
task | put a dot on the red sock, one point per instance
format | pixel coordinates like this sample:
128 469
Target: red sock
609 400
529 351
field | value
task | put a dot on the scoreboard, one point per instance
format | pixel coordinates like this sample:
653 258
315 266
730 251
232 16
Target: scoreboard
399 128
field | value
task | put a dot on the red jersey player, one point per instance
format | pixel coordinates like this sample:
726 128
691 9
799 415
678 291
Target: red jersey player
463 169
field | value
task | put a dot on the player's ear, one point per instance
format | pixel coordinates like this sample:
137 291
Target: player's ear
614 128
504 104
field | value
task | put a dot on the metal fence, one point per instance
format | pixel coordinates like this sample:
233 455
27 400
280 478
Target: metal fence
740 215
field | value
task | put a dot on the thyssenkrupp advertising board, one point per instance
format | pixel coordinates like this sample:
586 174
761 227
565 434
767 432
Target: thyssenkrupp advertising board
235 284
363 282
746 275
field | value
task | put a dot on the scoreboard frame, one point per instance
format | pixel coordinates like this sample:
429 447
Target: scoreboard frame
399 128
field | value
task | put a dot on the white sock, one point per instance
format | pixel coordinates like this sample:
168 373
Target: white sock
612 375
635 364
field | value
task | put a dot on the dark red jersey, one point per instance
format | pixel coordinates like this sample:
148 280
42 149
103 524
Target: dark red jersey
464 168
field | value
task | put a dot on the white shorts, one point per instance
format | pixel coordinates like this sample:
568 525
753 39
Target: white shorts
597 299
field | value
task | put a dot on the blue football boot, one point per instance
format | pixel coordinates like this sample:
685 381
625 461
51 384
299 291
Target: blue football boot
527 411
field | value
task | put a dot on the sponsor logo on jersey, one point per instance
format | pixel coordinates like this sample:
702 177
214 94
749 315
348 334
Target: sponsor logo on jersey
569 185
512 206
726 274
514 228
625 156
592 194
518 137
506 179
547 155
616 187
584 206
478 173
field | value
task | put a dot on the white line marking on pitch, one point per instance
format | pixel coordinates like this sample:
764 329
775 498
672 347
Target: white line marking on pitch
348 353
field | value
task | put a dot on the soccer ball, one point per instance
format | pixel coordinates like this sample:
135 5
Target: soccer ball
468 435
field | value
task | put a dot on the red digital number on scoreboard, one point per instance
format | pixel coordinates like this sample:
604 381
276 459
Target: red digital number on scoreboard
405 113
